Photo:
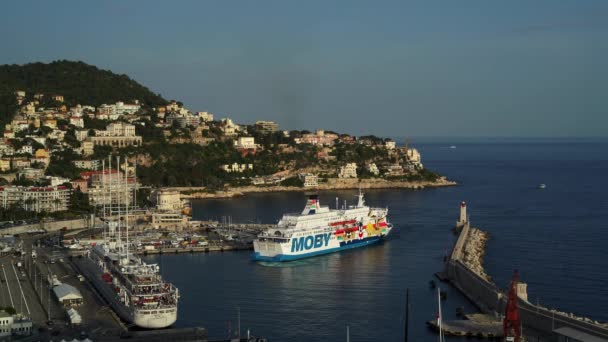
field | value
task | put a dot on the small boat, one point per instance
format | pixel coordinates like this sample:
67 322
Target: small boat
453 146
542 186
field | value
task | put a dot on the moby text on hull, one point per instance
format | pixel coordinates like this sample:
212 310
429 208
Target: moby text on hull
319 230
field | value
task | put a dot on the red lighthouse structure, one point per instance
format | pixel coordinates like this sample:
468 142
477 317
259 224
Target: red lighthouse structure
511 323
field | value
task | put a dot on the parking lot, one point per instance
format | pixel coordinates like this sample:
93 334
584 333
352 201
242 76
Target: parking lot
51 262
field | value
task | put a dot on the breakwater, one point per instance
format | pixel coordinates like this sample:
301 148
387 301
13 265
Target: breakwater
464 269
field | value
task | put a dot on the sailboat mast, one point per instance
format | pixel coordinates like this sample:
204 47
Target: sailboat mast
103 195
120 249
127 205
439 317
407 314
347 333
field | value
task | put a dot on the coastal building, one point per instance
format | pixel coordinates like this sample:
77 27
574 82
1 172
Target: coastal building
182 120
115 111
81 134
205 116
390 145
58 98
229 128
81 184
77 121
169 220
118 134
55 181
88 148
348 171
168 200
25 149
373 169
267 180
48 199
310 180
29 109
413 157
317 138
5 164
87 164
19 163
394 170
245 143
30 173
266 127
236 167
14 325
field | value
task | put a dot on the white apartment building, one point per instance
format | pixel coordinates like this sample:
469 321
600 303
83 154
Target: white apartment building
114 111
49 199
236 167
205 116
87 164
373 169
413 156
14 325
348 171
390 145
310 180
245 143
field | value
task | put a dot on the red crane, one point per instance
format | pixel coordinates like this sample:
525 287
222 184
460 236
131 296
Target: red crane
511 324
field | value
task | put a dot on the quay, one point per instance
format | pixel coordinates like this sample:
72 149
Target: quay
197 249
476 325
464 270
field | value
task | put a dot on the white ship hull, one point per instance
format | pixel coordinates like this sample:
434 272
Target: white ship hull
155 319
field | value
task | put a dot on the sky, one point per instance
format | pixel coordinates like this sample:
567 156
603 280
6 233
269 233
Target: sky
391 68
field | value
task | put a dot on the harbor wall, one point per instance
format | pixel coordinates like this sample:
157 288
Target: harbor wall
49 226
491 299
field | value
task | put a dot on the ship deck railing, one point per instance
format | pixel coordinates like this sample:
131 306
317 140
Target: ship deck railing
155 307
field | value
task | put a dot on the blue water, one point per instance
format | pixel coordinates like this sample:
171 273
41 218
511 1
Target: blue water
555 237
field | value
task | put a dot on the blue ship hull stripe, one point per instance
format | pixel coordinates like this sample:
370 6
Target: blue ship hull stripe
343 246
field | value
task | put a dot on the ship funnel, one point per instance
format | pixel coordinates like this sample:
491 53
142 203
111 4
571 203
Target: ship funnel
312 205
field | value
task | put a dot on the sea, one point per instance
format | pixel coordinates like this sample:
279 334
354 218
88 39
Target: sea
556 238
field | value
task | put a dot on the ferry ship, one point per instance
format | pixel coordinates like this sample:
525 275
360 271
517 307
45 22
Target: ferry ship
320 230
134 289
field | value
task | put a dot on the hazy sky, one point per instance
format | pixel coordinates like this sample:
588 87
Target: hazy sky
425 68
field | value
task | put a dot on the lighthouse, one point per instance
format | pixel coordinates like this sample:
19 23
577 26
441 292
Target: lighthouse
462 220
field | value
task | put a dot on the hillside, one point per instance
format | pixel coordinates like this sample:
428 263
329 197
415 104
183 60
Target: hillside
78 82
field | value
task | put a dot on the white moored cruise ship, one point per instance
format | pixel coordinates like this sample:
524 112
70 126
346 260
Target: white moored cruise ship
135 290
320 230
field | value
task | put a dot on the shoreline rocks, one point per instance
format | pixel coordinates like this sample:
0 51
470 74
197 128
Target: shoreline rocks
334 184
